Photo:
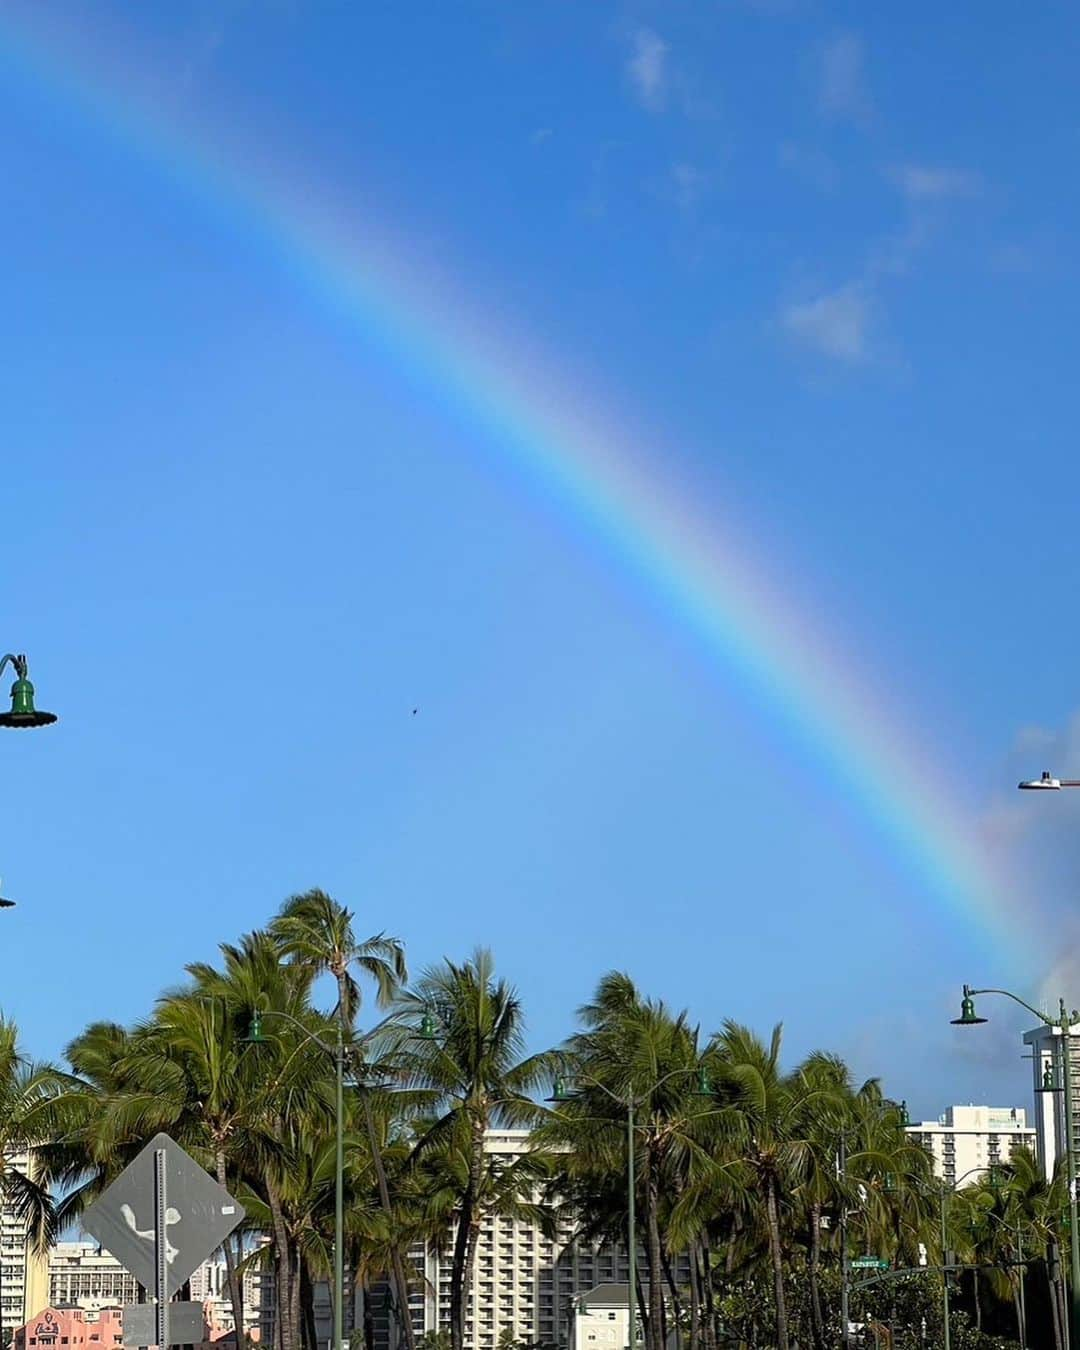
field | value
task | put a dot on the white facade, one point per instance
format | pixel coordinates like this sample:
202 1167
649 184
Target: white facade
968 1140
210 1287
23 1277
524 1281
602 1319
1050 1113
82 1275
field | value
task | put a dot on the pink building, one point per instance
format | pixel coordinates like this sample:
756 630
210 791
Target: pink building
55 1328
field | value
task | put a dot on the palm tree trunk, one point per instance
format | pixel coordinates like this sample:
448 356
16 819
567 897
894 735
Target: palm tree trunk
654 1338
772 1215
712 1331
1063 1315
676 1297
1055 1320
287 1298
397 1265
460 1272
308 1337
235 1283
817 1322
978 1300
695 1298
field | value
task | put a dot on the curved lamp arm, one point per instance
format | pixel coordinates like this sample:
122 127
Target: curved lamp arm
1007 993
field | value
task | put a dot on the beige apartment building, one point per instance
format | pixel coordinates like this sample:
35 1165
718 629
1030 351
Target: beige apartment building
967 1141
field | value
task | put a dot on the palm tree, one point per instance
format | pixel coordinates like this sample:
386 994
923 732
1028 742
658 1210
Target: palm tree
632 1049
772 1119
470 1067
30 1094
316 932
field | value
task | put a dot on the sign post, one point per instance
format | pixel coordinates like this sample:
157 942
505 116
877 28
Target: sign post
161 1218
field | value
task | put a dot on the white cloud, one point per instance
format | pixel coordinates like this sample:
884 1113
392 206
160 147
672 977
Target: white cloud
835 323
843 93
647 68
923 183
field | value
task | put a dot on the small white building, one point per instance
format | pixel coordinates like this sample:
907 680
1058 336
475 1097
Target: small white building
968 1140
602 1319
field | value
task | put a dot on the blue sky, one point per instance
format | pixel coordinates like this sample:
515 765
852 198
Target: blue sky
822 261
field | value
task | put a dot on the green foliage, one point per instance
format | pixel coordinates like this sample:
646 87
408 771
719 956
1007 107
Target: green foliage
745 1167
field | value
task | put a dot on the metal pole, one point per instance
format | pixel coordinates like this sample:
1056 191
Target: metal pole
944 1278
631 1226
1070 1154
161 1292
339 1198
1022 1269
845 1311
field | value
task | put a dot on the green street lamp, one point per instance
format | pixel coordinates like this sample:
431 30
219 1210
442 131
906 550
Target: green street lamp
23 713
255 1036
967 1016
1063 1024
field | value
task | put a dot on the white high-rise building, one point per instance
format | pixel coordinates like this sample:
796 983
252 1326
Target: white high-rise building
968 1140
524 1281
24 1284
82 1275
210 1287
1048 1069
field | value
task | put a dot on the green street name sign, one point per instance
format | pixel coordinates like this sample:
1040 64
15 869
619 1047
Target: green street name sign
869 1263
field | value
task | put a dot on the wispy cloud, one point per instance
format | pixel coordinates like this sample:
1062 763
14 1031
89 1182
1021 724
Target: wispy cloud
925 183
843 93
834 323
647 68
540 135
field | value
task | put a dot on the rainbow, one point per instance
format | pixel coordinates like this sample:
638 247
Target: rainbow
594 475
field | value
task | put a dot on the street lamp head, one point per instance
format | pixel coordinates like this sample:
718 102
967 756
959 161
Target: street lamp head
255 1032
1047 1079
902 1112
704 1086
6 904
967 1016
561 1091
23 713
426 1031
1046 783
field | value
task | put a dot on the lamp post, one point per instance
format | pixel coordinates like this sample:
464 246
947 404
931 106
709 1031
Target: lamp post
945 1189
562 1092
1064 1023
841 1169
337 1050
